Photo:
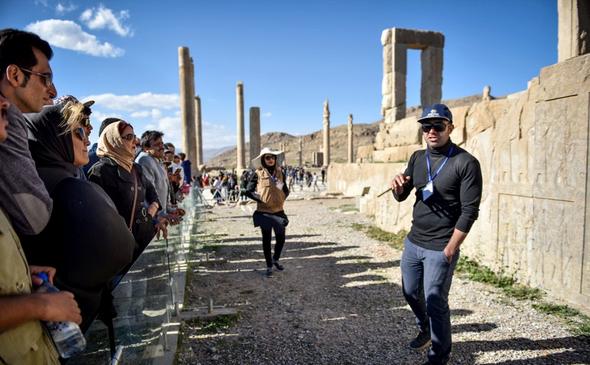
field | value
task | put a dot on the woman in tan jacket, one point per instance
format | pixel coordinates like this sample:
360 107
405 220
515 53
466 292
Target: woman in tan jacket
268 188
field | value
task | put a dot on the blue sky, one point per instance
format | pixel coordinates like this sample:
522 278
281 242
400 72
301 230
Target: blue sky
291 55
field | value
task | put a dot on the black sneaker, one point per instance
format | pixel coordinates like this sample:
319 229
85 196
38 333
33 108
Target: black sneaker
421 341
279 266
269 272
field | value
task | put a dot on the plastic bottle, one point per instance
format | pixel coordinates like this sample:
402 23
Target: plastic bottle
67 337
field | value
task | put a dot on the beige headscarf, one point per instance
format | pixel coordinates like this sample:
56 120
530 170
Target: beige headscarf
112 145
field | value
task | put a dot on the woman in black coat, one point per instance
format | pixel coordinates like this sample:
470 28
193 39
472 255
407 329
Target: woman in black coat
135 197
86 240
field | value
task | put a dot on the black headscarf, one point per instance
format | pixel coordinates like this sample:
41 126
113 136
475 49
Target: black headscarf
270 169
51 146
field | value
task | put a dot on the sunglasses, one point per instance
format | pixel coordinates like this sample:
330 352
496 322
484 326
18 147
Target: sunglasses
438 127
80 132
129 137
270 157
46 76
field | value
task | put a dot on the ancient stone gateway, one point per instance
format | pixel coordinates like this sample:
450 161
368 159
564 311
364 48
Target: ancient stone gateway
396 42
574 28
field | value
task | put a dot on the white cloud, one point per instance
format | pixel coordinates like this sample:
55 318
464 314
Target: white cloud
102 18
154 114
267 115
64 8
42 2
69 35
217 135
137 103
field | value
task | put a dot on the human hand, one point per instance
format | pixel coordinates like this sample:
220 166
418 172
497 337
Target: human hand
162 228
39 269
449 253
398 182
153 209
59 306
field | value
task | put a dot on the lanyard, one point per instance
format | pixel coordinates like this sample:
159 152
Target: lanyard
430 177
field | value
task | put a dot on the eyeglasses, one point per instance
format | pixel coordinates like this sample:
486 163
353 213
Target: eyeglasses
80 132
270 157
438 127
46 76
129 137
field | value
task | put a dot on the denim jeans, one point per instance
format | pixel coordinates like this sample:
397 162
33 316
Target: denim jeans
426 280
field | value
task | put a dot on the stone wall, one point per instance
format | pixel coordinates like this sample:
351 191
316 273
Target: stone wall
533 148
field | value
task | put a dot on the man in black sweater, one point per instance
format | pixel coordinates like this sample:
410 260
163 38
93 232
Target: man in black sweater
448 186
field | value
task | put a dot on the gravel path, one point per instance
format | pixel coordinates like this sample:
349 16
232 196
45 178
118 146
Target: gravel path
339 301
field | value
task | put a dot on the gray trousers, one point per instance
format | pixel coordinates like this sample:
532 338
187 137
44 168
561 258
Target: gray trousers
426 280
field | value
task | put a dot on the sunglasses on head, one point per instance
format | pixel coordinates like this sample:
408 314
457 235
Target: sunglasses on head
80 133
438 127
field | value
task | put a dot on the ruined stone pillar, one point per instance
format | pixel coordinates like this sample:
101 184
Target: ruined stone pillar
326 134
254 132
350 141
432 68
240 126
300 151
187 106
573 33
399 64
198 132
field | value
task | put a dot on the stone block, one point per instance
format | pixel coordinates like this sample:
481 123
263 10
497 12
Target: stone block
403 132
459 114
565 78
365 153
387 84
431 81
386 37
418 39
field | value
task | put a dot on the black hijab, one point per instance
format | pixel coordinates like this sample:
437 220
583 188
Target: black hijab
51 146
270 169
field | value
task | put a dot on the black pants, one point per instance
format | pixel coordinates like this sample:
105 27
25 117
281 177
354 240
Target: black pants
280 242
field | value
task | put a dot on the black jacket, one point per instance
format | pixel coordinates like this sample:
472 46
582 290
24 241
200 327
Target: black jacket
119 185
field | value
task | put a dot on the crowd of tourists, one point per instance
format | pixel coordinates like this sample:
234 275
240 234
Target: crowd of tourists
80 216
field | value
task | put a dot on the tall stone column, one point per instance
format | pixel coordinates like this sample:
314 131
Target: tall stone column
399 63
198 132
254 133
240 165
573 28
300 151
187 106
432 69
350 141
326 134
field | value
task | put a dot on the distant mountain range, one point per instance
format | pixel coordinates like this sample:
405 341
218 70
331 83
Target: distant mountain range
209 153
364 134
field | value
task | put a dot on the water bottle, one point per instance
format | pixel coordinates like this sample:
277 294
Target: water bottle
67 337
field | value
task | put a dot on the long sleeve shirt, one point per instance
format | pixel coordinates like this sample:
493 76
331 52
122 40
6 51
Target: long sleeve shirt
24 196
154 173
456 197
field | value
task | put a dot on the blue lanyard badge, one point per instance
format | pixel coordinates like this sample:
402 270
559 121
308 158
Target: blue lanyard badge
428 190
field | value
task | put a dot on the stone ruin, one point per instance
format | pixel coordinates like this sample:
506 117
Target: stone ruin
533 147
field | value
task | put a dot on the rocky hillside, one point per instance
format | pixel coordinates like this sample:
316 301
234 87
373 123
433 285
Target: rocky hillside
364 134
